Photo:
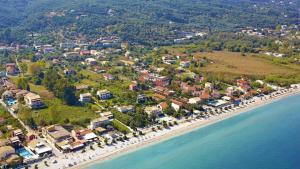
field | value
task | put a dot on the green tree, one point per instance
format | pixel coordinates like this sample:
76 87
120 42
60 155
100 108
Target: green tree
22 83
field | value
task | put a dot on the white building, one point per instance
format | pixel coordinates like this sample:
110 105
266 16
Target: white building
85 97
104 94
99 122
126 109
153 110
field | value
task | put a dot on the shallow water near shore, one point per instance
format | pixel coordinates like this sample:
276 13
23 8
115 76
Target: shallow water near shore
263 138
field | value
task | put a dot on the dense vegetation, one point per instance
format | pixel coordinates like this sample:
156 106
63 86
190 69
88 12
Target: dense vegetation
157 21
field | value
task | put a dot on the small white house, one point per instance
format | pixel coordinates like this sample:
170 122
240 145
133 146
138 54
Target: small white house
85 97
104 94
194 100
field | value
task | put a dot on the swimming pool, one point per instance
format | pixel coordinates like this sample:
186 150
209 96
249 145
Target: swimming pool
24 153
11 102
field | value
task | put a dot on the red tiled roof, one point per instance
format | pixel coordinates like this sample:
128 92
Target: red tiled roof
177 102
205 95
163 105
157 96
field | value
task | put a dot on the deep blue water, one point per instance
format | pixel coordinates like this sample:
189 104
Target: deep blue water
265 138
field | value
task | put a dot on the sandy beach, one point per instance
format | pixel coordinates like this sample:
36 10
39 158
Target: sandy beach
100 154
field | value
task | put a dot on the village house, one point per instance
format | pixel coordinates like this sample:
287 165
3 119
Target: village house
177 105
39 148
6 152
168 59
195 100
158 97
185 63
99 122
107 114
134 86
11 69
209 85
18 133
48 49
7 95
85 52
21 93
82 87
160 89
56 134
104 94
85 97
141 98
215 94
108 76
163 106
77 49
30 136
95 52
162 81
232 91
67 45
218 103
15 141
33 101
9 85
153 111
205 95
69 72
71 55
243 85
91 61
126 109
85 135
194 90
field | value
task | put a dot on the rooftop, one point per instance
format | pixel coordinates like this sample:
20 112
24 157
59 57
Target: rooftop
57 131
32 96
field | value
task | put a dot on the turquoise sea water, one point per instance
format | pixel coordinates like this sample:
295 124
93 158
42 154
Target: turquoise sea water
265 138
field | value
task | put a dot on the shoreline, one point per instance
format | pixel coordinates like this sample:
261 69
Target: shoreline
100 155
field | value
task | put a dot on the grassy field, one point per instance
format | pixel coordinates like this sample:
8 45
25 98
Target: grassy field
42 91
75 114
235 63
230 65
120 126
57 112
93 79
